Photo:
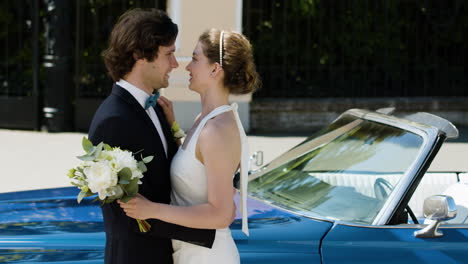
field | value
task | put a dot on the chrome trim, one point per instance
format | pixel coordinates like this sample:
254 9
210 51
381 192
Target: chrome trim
386 110
429 119
403 226
417 119
429 135
397 194
437 208
430 231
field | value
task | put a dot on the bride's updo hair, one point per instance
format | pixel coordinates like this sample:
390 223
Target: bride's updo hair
240 76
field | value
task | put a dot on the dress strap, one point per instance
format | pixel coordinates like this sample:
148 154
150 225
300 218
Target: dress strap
244 170
194 138
244 161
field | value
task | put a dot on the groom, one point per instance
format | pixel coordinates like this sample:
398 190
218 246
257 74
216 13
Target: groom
139 59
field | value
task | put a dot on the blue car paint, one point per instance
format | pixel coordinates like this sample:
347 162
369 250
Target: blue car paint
277 236
393 244
43 226
48 225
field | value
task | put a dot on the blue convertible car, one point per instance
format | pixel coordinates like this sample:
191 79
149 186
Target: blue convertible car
356 192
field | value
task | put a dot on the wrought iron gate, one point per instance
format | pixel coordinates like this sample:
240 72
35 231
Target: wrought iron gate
359 48
19 64
51 71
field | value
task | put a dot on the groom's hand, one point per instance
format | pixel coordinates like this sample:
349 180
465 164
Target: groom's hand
138 207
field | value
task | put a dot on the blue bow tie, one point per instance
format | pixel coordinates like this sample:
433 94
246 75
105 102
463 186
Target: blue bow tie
152 100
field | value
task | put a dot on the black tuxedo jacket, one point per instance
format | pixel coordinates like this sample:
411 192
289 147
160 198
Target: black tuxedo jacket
121 121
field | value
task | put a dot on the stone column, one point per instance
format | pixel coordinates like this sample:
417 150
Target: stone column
194 17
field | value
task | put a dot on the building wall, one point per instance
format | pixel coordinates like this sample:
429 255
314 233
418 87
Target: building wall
194 17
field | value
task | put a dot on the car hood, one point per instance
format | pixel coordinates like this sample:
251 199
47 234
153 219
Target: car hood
48 225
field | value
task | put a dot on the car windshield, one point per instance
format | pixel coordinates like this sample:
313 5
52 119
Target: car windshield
344 173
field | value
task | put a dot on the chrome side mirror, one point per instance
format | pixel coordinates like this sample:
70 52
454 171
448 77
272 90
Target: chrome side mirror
437 208
258 158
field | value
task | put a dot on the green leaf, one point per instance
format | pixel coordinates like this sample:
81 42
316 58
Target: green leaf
92 151
125 174
81 195
86 157
81 170
148 159
131 189
124 182
98 150
142 167
87 145
118 192
107 147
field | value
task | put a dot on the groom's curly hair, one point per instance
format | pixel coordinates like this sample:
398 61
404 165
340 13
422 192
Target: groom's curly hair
137 35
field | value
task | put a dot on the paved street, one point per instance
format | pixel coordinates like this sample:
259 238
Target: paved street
32 160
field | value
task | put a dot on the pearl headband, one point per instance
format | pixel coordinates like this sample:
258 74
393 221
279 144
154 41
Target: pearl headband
221 40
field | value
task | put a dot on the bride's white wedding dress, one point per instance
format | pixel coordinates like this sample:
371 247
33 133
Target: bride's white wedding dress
189 187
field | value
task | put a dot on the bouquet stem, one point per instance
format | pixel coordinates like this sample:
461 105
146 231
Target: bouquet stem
143 225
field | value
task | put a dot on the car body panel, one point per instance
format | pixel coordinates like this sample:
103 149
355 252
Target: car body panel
42 226
278 233
48 225
393 244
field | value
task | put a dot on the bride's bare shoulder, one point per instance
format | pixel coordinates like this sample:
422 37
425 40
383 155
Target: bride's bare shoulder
223 127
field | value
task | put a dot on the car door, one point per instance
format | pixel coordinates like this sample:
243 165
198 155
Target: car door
294 240
278 236
394 244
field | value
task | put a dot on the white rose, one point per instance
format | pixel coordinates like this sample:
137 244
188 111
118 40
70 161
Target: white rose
100 176
122 159
136 173
116 190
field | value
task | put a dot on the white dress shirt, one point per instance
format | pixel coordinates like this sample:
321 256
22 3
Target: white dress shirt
141 97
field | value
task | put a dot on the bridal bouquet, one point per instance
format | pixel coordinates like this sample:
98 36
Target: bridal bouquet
111 173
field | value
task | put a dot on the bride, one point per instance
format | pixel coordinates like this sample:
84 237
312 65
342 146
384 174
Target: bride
215 147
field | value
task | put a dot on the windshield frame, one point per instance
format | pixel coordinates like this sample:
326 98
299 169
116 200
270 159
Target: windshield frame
427 133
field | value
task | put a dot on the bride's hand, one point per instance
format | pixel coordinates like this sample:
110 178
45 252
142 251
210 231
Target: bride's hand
166 105
138 207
